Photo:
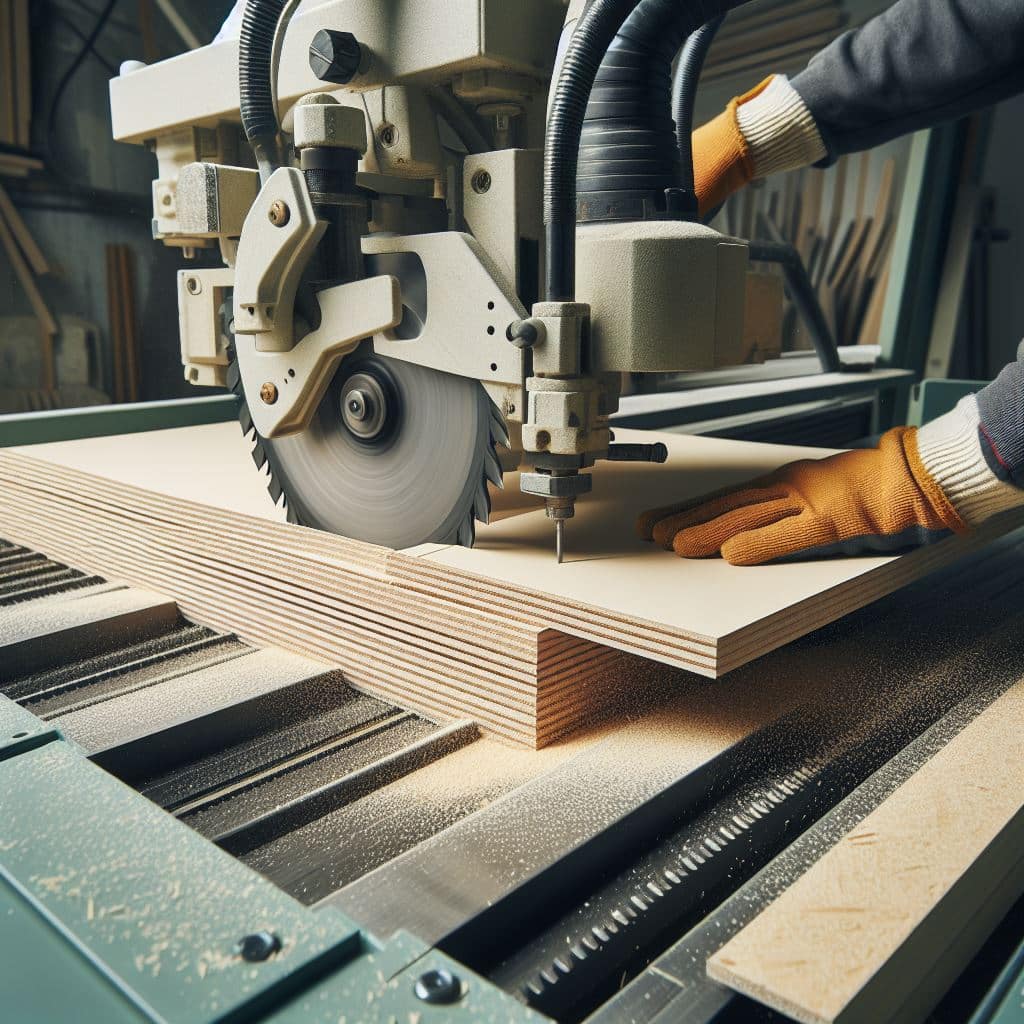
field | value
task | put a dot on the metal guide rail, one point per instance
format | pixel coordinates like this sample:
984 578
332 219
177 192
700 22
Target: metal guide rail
243 745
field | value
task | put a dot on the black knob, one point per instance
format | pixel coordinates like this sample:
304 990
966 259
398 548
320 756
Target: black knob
335 56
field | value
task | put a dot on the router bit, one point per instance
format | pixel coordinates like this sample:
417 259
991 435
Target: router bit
559 488
560 509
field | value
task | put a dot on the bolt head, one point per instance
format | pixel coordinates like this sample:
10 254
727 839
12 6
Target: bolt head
388 135
279 214
438 987
481 182
258 946
335 56
268 393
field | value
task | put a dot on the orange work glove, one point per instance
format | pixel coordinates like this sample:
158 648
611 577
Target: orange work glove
722 162
873 499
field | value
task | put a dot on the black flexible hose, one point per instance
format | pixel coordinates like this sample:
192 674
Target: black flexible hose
684 95
615 140
256 101
594 32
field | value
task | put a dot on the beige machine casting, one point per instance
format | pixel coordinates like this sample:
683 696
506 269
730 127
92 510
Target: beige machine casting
378 309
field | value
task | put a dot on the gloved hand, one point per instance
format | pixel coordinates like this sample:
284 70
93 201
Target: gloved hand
764 131
880 499
722 160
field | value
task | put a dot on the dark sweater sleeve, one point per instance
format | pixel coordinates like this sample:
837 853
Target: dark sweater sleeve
917 64
1001 410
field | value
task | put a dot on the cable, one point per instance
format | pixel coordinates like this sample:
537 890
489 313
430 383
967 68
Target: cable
256 102
684 95
51 122
275 53
82 37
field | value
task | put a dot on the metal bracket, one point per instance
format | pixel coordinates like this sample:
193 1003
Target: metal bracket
203 342
277 240
467 313
284 388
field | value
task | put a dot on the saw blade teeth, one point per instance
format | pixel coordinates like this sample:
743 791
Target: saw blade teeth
293 516
275 489
245 419
259 455
467 533
492 468
482 504
499 429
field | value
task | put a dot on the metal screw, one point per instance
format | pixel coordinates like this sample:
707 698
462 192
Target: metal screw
388 135
268 393
279 214
194 285
438 987
481 182
258 947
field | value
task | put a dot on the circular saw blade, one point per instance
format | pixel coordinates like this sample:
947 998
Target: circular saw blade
421 477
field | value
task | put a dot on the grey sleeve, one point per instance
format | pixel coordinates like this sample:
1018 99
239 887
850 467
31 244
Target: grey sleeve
1001 410
917 64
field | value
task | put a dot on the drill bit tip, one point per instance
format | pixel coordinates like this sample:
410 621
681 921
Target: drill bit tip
559 539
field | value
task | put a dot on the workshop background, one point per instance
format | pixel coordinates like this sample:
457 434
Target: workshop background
76 231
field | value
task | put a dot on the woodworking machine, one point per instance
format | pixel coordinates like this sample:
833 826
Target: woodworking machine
416 293
422 252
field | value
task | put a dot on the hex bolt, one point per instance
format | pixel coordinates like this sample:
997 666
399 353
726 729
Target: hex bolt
438 987
258 946
279 214
388 135
268 393
481 182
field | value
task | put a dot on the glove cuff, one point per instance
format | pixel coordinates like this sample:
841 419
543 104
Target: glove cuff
778 127
950 452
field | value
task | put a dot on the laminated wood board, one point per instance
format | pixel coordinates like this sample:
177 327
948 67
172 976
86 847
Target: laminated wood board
884 922
500 633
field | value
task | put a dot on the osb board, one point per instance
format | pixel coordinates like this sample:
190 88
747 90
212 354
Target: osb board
501 633
885 920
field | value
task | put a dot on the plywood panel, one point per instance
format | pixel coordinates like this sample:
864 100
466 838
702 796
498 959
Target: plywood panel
884 922
500 633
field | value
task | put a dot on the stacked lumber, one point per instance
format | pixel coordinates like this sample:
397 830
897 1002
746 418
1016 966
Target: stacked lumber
502 634
772 35
844 240
15 77
888 917
124 337
29 263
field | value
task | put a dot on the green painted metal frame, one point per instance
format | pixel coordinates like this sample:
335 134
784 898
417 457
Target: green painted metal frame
933 397
111 910
105 420
934 170
1004 1003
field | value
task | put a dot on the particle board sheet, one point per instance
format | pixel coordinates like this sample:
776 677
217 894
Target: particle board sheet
501 634
883 923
